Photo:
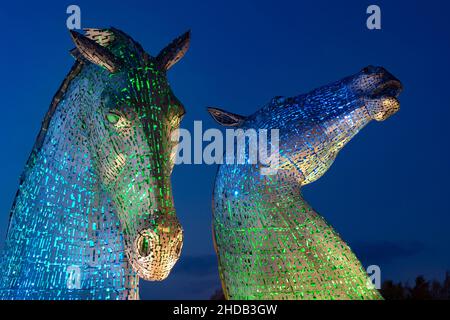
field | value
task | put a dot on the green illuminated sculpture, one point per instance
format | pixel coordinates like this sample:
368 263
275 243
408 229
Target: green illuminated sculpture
270 243
94 211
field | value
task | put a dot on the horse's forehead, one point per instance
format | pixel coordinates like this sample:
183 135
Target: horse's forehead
144 89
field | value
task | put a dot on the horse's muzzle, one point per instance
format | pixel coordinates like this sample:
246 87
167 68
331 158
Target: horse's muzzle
155 251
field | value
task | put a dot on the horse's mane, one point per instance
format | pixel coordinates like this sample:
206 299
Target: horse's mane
112 38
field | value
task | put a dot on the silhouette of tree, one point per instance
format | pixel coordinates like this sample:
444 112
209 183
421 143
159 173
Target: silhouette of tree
391 291
436 291
446 287
422 290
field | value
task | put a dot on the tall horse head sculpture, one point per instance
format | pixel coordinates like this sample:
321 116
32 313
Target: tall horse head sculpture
94 211
270 243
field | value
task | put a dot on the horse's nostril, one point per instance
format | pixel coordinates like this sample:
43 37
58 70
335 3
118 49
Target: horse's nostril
145 243
144 247
178 248
372 70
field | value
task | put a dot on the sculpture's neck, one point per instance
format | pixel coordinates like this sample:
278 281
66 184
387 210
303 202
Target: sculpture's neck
326 139
239 183
342 128
268 234
64 239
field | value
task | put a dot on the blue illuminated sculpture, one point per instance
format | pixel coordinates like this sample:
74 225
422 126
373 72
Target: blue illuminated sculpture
270 243
94 211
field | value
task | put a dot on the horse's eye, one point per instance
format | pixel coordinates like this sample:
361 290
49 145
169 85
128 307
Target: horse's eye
112 118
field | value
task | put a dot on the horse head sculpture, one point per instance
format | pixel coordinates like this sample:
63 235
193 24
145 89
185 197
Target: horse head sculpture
96 196
128 134
270 243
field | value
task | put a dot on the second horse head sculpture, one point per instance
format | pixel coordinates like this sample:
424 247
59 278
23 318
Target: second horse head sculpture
271 244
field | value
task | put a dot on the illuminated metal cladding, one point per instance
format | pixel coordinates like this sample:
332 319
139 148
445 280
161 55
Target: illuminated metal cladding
271 244
94 211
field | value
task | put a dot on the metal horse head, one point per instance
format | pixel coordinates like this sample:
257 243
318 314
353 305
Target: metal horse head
313 127
271 244
128 135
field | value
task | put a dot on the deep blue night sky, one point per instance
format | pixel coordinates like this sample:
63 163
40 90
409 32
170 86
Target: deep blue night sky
387 193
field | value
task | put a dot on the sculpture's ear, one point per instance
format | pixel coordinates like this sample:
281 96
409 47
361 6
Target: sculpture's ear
174 51
226 118
92 51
